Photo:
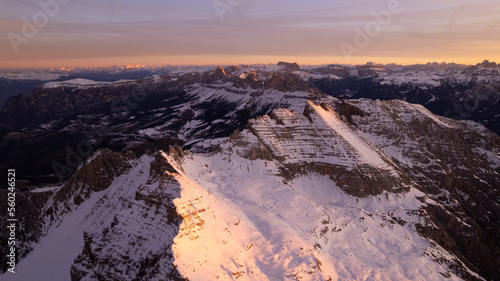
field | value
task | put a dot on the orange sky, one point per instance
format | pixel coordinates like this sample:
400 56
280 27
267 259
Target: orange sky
222 60
103 33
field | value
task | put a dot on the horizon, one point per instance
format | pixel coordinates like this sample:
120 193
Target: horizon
142 65
67 33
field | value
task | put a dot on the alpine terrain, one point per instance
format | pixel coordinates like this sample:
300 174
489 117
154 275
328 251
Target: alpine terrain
271 172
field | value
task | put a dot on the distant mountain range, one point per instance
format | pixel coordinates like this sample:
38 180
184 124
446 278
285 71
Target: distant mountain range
451 90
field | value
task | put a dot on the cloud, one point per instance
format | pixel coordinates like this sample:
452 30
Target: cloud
103 29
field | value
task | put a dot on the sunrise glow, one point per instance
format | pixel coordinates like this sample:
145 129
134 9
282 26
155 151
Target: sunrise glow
57 33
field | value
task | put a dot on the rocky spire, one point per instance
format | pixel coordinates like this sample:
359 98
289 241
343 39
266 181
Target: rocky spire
220 73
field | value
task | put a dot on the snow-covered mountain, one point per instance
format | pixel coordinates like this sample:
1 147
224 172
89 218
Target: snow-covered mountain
450 90
15 82
308 196
238 174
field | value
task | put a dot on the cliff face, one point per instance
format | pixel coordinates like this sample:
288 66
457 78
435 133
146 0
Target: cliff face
113 220
44 208
136 244
319 141
457 164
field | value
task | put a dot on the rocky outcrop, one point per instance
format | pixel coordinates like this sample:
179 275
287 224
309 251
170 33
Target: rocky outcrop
130 225
159 167
99 171
276 82
252 81
488 64
250 150
335 69
122 250
319 142
284 84
220 73
348 111
291 67
29 206
371 71
39 211
216 77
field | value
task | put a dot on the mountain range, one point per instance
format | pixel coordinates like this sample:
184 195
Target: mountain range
276 172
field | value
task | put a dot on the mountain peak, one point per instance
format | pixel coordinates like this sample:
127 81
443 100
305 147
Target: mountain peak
219 72
290 66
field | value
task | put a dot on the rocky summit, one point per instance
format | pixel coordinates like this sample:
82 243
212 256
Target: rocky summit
244 173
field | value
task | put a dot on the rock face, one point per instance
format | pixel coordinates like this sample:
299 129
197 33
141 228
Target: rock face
318 141
104 252
29 206
114 203
38 211
100 170
290 66
136 245
283 84
220 73
457 164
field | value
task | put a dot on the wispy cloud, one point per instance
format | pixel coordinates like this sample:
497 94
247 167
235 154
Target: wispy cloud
99 29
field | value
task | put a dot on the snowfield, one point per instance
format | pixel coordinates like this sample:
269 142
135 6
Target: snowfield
243 222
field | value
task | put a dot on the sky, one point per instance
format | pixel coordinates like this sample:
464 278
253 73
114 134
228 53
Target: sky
63 33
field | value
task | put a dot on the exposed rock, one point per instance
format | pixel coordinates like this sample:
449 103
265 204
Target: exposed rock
35 216
176 152
252 80
220 73
29 206
291 67
287 84
348 110
297 141
276 82
231 69
251 77
122 250
159 167
488 64
98 172
450 167
371 71
250 150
